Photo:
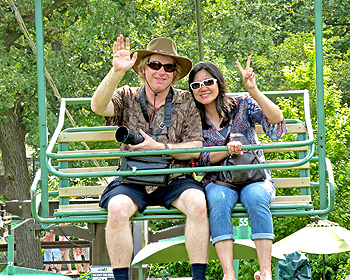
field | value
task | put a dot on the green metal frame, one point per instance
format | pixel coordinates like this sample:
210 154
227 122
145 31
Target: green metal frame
101 215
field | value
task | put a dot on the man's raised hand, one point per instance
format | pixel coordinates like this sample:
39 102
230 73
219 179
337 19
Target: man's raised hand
121 55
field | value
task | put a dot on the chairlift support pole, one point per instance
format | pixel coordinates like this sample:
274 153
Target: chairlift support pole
199 30
320 102
42 106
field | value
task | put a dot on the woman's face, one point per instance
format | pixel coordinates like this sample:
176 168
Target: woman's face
205 94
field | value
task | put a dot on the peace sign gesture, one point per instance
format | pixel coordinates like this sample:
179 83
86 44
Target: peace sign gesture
121 55
248 75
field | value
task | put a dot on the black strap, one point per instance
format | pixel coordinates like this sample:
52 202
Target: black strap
143 104
167 110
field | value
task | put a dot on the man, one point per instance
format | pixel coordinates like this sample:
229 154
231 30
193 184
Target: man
257 275
158 67
51 253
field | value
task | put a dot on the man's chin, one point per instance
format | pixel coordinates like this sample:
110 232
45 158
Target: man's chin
160 88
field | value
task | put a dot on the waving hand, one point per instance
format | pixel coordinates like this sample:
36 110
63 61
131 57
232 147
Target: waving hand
121 55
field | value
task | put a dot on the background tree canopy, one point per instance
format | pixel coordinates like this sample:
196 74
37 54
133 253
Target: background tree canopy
79 36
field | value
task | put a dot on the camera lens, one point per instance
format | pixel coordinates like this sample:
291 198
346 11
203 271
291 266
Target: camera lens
127 136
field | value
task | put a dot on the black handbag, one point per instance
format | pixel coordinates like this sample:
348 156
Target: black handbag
135 163
237 179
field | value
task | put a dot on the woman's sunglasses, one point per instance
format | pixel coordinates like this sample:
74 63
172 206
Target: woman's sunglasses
156 65
206 83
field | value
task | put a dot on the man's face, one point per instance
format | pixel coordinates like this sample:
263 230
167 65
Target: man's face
257 277
159 80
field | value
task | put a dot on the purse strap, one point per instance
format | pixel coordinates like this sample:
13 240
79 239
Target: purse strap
167 111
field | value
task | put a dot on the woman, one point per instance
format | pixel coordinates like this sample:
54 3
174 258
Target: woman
221 115
65 254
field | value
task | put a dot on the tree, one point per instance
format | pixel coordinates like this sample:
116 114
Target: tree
18 103
16 96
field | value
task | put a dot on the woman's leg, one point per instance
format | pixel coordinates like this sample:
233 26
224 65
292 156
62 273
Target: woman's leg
256 198
224 249
66 257
59 266
264 250
220 201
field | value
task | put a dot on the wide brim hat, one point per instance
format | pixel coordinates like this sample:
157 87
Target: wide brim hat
164 46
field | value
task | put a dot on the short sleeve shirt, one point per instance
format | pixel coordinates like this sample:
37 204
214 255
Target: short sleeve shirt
185 119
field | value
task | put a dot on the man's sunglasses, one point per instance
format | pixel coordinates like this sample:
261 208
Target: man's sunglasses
206 83
156 65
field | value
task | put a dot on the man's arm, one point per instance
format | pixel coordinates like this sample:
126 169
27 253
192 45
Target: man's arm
101 101
186 145
151 144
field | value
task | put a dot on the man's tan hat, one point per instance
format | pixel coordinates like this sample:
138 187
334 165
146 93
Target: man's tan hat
164 46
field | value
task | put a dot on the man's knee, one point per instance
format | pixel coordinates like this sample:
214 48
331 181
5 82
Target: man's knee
120 209
195 203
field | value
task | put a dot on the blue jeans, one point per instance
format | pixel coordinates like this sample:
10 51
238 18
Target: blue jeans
255 198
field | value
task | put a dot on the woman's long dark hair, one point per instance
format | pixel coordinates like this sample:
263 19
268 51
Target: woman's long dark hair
226 107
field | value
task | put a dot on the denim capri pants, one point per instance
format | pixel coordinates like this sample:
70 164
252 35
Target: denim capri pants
254 197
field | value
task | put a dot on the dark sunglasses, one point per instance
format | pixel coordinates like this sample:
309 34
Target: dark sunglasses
156 65
206 83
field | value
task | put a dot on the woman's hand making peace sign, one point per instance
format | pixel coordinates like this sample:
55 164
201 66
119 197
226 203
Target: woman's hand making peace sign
248 75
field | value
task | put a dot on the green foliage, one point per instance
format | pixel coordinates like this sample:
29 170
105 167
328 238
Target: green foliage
162 224
336 266
214 270
174 269
247 269
79 36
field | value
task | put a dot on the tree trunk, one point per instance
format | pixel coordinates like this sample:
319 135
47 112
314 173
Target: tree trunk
17 184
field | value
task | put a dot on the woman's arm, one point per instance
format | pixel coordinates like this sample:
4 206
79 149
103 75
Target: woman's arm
271 111
234 147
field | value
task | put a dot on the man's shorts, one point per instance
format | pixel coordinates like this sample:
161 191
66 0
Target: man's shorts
47 255
56 254
162 196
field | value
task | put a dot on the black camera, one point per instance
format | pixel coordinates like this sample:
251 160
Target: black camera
127 136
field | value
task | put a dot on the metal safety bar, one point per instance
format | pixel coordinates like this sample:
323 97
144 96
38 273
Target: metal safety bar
173 213
65 101
100 215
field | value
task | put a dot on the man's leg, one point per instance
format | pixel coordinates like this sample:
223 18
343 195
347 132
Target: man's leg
47 257
118 232
192 203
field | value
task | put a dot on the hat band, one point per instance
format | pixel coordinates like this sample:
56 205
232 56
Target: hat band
163 51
